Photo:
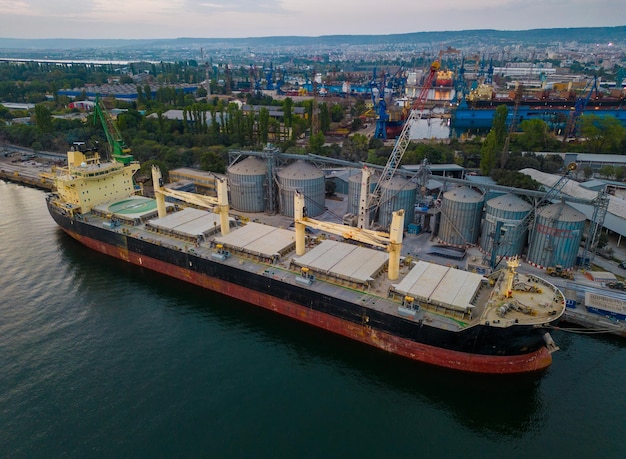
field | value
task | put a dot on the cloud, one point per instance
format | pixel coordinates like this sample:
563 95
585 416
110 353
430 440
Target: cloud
243 7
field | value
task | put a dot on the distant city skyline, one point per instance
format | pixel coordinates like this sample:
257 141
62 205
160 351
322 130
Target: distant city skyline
138 19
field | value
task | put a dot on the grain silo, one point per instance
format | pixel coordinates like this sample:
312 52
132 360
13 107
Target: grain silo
556 236
247 181
354 191
461 209
395 194
508 214
307 179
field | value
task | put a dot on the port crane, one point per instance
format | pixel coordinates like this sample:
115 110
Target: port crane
269 77
382 94
118 150
379 103
402 143
579 108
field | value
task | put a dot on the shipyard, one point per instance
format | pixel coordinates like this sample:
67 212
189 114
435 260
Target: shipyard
293 245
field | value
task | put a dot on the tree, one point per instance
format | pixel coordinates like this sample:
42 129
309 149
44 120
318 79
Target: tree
607 171
514 179
264 121
43 118
499 125
316 143
488 153
288 111
602 134
212 161
324 118
354 148
534 135
336 113
147 92
140 98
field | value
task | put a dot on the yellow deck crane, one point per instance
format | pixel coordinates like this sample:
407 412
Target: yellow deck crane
219 205
391 241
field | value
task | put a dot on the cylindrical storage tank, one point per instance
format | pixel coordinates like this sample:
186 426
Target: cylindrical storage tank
395 194
307 179
507 214
461 209
556 236
247 181
354 191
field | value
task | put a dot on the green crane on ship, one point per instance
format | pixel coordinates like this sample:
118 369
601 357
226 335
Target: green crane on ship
118 150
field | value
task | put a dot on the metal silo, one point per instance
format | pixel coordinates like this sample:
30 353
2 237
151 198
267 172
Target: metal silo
307 179
461 209
354 191
247 181
505 214
556 236
395 194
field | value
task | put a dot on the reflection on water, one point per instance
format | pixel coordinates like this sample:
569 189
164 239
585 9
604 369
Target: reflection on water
484 404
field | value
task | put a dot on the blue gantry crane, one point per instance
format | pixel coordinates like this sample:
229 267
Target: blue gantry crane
579 107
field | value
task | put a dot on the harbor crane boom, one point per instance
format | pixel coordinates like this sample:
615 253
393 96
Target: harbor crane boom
402 143
118 150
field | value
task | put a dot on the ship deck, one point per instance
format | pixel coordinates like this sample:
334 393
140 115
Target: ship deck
536 307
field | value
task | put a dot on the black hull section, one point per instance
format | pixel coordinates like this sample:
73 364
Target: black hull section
480 339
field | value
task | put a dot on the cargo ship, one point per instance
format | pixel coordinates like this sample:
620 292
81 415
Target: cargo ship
478 109
444 78
427 312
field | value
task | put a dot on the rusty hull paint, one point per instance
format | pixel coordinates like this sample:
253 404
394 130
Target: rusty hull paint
455 360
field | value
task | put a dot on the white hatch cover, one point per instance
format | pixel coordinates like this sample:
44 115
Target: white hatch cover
258 239
440 285
344 261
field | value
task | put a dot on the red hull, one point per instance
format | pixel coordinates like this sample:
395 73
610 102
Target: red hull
475 363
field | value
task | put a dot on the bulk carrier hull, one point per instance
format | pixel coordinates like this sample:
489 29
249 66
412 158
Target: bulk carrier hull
479 348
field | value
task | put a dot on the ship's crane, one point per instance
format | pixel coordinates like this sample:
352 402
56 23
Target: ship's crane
219 205
579 107
391 241
118 150
402 143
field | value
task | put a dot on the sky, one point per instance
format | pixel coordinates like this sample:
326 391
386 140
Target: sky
260 18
